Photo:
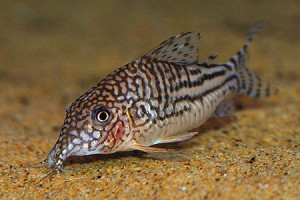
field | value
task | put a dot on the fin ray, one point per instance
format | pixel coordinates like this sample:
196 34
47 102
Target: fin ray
249 83
182 48
179 137
149 149
163 154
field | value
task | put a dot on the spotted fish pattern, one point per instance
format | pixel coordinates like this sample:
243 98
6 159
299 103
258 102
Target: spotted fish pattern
157 98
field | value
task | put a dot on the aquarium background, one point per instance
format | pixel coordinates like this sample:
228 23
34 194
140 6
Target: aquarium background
53 51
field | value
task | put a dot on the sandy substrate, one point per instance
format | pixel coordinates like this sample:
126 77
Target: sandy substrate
50 53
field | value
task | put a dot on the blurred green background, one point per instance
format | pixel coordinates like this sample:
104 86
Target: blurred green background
50 41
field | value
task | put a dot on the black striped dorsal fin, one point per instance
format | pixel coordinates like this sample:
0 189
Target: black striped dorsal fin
182 48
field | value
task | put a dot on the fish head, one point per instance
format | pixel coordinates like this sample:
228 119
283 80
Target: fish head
95 124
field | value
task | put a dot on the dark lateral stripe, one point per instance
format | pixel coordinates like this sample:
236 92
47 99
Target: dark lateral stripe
206 77
195 71
230 78
212 66
191 98
199 96
203 94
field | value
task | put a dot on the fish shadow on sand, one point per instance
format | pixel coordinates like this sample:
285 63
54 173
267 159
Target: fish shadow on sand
240 103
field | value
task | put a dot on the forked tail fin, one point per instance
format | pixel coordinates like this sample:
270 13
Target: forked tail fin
249 83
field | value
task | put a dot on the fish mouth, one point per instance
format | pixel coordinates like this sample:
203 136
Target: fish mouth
52 158
55 158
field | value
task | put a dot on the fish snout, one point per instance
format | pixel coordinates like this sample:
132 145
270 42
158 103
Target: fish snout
56 157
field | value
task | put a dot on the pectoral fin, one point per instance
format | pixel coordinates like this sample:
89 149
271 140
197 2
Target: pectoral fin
163 154
179 137
149 149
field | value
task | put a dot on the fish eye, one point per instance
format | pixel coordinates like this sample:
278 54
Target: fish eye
101 115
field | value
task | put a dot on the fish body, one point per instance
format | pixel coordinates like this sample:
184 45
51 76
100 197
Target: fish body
157 98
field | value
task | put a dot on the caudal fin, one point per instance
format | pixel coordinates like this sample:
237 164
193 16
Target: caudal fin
249 83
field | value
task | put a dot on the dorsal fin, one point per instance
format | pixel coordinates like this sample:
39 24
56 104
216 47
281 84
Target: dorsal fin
182 48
